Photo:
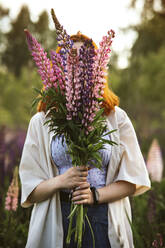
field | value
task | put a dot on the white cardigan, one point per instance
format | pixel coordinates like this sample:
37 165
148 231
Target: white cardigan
36 165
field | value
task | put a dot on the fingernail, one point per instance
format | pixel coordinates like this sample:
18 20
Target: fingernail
77 188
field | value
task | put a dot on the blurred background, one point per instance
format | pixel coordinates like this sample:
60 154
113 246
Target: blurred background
136 74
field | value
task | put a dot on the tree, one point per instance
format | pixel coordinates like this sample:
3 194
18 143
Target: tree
16 54
3 13
149 8
43 33
16 98
141 86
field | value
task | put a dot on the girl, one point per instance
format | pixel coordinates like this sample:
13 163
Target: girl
47 178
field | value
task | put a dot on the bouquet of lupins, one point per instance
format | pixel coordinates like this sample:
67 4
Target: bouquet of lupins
73 93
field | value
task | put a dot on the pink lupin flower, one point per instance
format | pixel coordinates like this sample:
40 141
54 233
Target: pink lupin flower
101 62
58 68
158 242
73 85
11 201
40 57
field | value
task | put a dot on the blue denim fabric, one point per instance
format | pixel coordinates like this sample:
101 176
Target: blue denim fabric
98 217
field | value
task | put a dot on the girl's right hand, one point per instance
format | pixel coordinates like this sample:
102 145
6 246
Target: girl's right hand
74 177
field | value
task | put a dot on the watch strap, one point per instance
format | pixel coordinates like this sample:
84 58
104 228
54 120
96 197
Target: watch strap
95 197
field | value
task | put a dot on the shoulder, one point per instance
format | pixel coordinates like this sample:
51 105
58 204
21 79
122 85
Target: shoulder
37 127
118 115
38 118
124 123
37 122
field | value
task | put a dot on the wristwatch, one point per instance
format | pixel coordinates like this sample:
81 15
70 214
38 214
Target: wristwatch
95 195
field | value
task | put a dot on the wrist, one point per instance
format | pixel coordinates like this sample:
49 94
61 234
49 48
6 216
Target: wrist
58 182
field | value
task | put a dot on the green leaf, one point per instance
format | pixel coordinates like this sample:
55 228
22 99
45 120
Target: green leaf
98 158
38 91
62 107
91 134
98 146
110 142
36 101
79 147
109 132
90 147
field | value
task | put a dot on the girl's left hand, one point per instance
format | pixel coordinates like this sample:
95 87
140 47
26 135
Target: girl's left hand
83 194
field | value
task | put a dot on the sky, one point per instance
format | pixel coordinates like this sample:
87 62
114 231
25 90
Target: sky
91 17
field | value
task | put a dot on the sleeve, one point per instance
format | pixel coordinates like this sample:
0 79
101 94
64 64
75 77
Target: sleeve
30 169
132 167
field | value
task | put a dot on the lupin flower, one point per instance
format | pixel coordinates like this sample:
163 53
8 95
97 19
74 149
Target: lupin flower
58 68
73 85
63 39
87 54
40 57
101 62
11 201
158 242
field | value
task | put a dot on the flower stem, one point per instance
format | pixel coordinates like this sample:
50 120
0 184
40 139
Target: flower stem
91 230
80 226
68 238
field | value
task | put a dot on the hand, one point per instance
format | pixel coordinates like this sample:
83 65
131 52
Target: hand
74 177
83 194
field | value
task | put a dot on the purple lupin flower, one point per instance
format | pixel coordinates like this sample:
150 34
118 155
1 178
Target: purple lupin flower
63 39
95 76
40 57
66 44
87 54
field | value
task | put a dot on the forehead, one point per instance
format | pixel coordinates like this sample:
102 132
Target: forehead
77 44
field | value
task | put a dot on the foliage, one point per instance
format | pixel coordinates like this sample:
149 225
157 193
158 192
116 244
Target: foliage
149 215
150 7
143 96
16 55
13 225
3 14
16 97
141 85
150 30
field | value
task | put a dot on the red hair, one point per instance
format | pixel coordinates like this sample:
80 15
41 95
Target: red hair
110 99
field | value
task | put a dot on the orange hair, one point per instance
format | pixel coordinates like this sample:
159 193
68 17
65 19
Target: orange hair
110 99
